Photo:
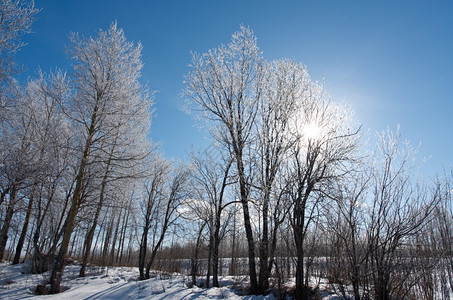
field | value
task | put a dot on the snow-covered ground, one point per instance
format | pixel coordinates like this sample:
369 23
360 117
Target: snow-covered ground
111 283
118 283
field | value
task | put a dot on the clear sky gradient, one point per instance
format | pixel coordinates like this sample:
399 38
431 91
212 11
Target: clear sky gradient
392 61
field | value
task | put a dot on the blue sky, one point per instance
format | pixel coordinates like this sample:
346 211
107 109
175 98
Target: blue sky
392 61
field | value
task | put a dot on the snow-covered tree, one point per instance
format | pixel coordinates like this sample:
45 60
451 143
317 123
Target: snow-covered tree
325 148
109 106
16 18
32 137
283 83
210 179
164 190
223 86
399 209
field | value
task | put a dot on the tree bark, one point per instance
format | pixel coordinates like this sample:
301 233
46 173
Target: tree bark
108 236
301 292
23 234
123 234
153 255
161 239
263 281
232 270
57 270
115 238
218 216
142 253
243 189
89 238
194 260
209 264
215 255
90 235
7 222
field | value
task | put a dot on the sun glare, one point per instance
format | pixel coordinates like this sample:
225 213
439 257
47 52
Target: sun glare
311 131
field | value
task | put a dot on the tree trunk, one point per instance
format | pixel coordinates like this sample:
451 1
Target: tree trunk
273 247
215 256
248 227
23 234
159 242
115 238
167 221
263 282
218 216
232 270
123 235
381 290
57 270
108 236
129 248
73 244
29 247
89 237
7 222
301 292
40 262
142 252
209 264
153 256
194 260
251 248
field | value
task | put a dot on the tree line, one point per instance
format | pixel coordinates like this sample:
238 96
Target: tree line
286 188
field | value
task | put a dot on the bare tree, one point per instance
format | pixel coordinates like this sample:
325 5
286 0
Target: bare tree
224 86
399 210
51 133
442 232
120 160
151 206
27 139
210 181
326 144
52 202
106 89
18 157
346 221
16 18
163 199
282 84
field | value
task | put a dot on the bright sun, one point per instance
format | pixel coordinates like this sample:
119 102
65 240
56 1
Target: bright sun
311 131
